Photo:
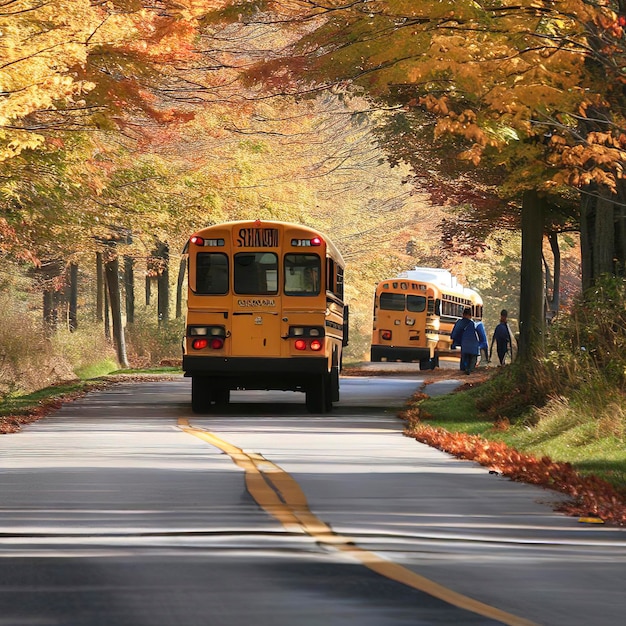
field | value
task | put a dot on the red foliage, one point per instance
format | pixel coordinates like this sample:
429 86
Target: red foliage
591 495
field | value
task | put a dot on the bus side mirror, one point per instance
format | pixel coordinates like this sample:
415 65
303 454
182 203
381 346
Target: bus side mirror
346 320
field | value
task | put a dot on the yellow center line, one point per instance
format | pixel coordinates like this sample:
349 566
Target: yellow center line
279 494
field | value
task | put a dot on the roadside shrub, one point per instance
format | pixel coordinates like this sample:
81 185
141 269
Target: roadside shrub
590 341
149 343
86 350
28 361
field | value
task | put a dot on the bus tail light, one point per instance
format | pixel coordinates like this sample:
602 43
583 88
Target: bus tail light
313 344
207 337
316 345
385 334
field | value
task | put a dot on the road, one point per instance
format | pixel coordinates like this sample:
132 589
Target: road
124 508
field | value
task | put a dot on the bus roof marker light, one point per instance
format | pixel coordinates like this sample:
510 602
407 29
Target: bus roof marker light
197 240
307 243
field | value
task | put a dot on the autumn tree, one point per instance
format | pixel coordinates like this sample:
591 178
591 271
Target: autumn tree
508 85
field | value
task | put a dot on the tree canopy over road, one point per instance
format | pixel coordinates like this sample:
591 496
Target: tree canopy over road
125 125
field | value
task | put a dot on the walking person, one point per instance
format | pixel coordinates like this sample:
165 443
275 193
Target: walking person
483 346
467 336
503 338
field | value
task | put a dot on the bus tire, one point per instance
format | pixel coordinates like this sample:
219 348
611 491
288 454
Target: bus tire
328 393
316 395
201 394
435 359
221 396
426 364
334 385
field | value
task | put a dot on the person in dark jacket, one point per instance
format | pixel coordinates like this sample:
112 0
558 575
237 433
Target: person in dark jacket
503 338
468 337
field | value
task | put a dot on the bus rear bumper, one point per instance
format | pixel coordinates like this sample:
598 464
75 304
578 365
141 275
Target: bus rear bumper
293 374
398 353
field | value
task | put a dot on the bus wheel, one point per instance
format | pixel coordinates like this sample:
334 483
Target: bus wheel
426 364
316 395
200 394
221 396
334 385
328 393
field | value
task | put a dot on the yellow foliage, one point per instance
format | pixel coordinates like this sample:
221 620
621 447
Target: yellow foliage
42 46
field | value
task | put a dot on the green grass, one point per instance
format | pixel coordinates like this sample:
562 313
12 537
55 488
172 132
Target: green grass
95 370
25 403
564 430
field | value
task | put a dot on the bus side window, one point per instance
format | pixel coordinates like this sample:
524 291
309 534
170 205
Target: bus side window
211 273
339 290
330 275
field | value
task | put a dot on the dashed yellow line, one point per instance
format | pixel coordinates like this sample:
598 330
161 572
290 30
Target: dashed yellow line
280 495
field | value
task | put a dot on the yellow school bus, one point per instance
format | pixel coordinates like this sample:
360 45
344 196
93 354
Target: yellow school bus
265 310
414 314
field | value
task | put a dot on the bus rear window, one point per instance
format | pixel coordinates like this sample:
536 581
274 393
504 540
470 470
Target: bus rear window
392 301
302 274
416 304
211 273
256 273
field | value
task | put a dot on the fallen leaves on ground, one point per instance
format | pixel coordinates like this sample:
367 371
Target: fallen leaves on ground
591 496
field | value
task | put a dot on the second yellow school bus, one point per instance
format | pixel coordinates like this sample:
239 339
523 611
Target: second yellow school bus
414 314
265 310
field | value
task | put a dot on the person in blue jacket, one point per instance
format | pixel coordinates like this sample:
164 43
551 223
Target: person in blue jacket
468 337
483 347
503 338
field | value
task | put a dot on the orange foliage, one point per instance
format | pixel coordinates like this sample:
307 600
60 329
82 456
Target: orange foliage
591 496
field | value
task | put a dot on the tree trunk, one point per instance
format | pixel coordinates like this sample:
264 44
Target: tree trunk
531 319
99 287
49 311
49 273
163 284
586 240
72 299
620 229
604 236
553 289
179 287
129 288
112 267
